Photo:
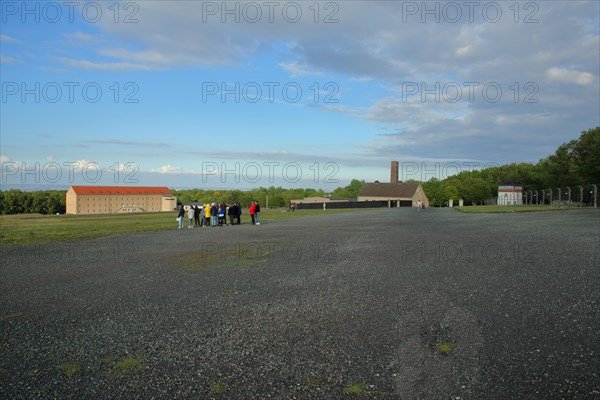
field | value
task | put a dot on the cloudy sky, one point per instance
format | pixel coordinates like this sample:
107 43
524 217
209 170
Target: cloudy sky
298 94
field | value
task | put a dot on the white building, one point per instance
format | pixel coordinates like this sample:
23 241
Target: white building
510 194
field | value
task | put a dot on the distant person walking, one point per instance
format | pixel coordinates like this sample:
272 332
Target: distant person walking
252 212
257 213
419 205
180 216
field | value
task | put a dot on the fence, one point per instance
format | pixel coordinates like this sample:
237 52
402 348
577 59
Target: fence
583 196
354 204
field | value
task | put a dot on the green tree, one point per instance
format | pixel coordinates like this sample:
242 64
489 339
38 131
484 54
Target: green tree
434 190
451 193
585 154
352 190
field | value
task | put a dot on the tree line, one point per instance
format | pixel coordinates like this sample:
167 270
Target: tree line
39 202
574 163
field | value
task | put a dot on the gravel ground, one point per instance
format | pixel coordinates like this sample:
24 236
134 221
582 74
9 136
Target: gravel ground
384 304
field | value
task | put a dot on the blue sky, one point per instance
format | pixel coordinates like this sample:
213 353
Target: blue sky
167 92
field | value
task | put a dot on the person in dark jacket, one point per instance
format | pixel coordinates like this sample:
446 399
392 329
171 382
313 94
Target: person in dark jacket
232 213
239 213
213 215
197 212
180 216
257 213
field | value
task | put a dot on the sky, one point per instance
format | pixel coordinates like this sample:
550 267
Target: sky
305 94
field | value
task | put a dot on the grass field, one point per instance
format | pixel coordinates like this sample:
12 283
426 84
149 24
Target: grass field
32 228
510 209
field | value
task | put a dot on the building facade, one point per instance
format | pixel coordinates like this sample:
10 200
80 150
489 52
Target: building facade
119 199
510 194
398 194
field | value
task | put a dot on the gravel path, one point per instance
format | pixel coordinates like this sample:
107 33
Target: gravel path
385 304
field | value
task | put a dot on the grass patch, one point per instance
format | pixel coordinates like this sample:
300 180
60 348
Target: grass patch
220 256
446 347
56 228
127 366
68 369
512 209
440 338
217 388
314 380
356 388
34 228
12 315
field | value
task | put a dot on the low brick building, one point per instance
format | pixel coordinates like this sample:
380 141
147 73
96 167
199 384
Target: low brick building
119 199
397 194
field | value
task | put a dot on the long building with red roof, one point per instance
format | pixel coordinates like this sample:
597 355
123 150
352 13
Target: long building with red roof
119 199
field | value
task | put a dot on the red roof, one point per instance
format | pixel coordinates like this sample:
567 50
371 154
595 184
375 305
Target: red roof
121 190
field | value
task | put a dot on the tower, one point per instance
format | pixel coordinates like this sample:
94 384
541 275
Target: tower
394 172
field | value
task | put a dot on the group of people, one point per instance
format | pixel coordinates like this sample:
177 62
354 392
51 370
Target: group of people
420 206
215 214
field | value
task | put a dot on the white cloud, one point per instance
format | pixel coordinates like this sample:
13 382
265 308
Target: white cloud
8 39
115 66
295 69
168 169
81 36
4 158
7 60
563 75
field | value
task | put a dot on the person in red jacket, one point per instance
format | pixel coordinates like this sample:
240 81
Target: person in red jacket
252 211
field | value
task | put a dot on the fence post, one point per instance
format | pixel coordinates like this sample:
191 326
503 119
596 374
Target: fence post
544 197
580 196
595 196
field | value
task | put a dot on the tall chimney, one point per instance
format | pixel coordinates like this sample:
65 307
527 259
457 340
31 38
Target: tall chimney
394 172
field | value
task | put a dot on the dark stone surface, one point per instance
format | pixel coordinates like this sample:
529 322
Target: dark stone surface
395 304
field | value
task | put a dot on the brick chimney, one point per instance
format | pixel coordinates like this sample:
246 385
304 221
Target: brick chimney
394 172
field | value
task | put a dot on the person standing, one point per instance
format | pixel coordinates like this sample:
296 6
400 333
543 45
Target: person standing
232 214
419 205
191 212
206 214
213 214
180 216
257 213
239 213
221 214
252 211
197 212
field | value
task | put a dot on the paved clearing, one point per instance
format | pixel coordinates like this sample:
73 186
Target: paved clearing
389 304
